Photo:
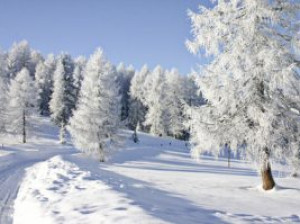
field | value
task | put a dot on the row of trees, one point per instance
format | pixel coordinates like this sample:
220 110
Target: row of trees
159 102
92 98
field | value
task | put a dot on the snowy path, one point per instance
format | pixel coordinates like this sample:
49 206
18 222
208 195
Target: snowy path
10 178
15 158
11 175
12 169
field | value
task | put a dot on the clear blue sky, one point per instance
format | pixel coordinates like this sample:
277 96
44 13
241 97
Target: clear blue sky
130 31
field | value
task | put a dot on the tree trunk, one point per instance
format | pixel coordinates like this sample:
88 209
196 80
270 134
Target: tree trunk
24 127
228 158
135 136
101 154
295 174
266 172
62 134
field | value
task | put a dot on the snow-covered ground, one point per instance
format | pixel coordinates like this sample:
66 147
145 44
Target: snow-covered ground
154 181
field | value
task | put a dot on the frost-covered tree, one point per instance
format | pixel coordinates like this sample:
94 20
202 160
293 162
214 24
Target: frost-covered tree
19 56
3 101
3 67
79 67
44 83
137 109
174 99
63 97
252 84
156 116
125 75
94 124
35 59
22 99
3 91
192 98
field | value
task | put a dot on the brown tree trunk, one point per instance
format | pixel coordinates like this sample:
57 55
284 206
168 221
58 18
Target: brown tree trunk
266 173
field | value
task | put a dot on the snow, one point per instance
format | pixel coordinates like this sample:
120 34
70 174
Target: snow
67 194
149 182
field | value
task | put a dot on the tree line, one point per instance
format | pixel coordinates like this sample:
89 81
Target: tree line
92 98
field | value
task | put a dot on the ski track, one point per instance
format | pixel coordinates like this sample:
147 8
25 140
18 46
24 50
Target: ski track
16 158
9 186
11 175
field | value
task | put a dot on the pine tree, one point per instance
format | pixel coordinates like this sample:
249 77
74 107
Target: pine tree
80 63
22 99
156 114
252 84
44 83
19 56
192 98
63 97
137 109
124 78
174 93
35 59
3 101
95 121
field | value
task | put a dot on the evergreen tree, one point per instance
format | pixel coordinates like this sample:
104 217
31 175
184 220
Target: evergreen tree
252 84
35 59
3 91
124 78
22 99
156 114
95 121
192 98
174 99
137 109
44 84
3 101
63 97
19 56
80 63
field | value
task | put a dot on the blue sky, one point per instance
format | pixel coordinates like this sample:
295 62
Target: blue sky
130 31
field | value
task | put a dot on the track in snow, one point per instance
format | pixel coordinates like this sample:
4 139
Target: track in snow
12 169
15 158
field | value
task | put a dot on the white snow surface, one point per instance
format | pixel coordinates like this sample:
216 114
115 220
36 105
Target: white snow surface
149 182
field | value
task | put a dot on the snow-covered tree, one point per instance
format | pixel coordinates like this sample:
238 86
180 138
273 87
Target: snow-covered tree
3 100
192 98
94 124
251 84
19 56
3 91
22 99
137 109
35 59
124 78
63 97
3 66
174 99
44 83
156 114
80 63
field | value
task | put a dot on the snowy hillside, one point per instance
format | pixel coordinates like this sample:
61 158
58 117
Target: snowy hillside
154 181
